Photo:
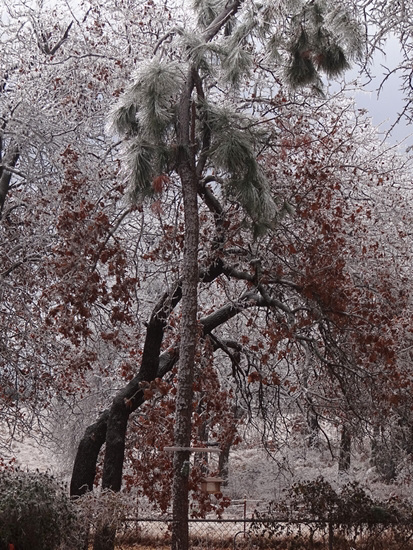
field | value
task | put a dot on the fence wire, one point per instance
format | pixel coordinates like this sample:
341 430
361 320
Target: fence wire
250 534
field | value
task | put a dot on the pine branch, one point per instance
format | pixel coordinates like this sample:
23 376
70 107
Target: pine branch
221 19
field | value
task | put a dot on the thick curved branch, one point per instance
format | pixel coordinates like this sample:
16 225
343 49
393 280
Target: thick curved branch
230 10
112 423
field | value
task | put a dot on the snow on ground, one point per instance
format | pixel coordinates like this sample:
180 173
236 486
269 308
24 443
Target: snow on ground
253 475
30 455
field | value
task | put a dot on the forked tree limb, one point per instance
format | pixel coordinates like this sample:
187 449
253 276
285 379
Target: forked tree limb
131 397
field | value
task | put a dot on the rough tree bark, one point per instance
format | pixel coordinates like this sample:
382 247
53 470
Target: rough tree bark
190 175
84 467
188 327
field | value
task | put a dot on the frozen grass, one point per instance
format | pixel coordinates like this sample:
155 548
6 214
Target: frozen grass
286 543
291 538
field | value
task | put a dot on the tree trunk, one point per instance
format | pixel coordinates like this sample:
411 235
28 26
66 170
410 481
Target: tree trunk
345 450
223 462
125 402
113 467
183 414
311 415
10 159
188 329
312 425
84 468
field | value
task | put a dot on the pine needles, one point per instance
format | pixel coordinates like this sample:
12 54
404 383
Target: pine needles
324 41
146 116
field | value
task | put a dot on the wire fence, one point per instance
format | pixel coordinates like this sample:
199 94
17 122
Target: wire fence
266 534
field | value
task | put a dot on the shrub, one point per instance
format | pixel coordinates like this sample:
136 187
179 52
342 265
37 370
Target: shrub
35 512
349 512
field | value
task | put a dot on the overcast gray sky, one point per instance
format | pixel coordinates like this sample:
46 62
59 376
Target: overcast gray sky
385 107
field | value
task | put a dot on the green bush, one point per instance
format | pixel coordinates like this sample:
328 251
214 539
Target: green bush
35 512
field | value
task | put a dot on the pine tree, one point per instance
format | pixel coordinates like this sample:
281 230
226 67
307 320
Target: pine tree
190 120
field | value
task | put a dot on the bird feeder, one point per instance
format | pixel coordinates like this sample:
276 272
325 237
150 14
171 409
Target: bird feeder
210 484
